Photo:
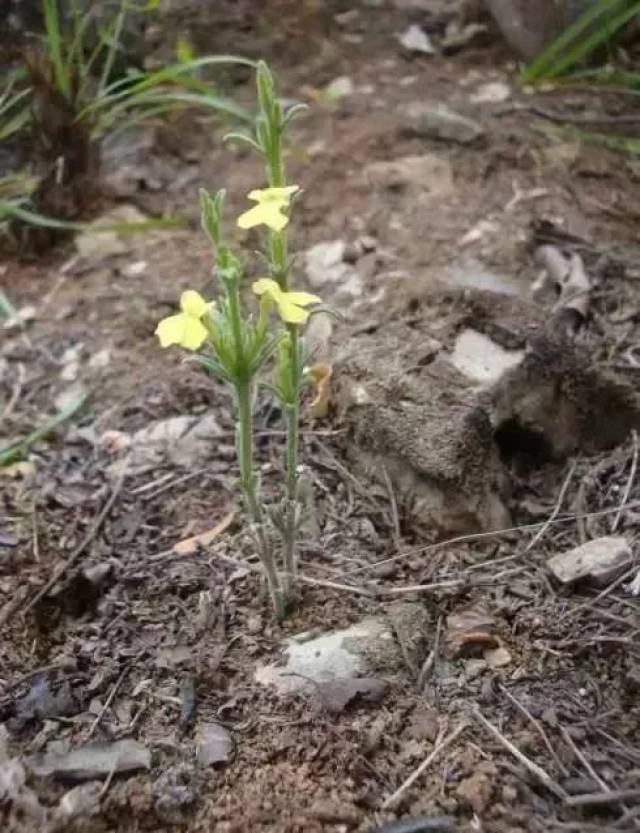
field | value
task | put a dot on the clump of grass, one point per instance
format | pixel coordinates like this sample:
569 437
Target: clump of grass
67 97
81 72
593 30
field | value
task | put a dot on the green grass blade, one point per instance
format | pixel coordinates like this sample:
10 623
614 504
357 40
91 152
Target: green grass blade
7 308
174 72
113 42
103 129
14 124
18 450
173 100
76 54
8 102
55 46
607 17
12 209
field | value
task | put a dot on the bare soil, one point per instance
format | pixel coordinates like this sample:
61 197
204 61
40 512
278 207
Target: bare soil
566 696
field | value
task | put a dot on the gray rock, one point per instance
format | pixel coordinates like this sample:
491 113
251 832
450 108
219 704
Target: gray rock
184 441
325 264
215 745
81 801
96 244
599 561
414 39
95 760
12 779
482 360
426 173
436 121
360 649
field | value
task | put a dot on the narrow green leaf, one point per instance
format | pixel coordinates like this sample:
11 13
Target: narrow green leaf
16 451
55 47
603 20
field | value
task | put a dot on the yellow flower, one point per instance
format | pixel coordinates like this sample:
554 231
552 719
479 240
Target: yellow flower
290 304
185 328
270 207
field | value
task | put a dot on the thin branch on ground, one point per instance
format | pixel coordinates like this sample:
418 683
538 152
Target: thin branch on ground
107 703
397 534
441 744
537 726
585 763
630 482
603 798
602 595
10 609
556 509
430 661
482 536
533 768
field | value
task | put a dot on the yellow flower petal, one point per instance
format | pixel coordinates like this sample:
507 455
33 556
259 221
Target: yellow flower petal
192 303
194 333
267 286
170 330
290 304
303 299
281 195
268 214
289 312
185 330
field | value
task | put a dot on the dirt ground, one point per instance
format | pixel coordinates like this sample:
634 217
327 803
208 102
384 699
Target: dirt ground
549 728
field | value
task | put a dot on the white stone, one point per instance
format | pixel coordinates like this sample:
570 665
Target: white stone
601 561
494 92
331 656
339 87
425 172
481 359
416 40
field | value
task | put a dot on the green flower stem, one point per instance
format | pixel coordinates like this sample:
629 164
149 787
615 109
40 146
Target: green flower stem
292 415
248 484
280 271
244 450
278 246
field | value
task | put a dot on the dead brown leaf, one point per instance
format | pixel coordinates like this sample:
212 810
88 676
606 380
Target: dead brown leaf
320 375
189 546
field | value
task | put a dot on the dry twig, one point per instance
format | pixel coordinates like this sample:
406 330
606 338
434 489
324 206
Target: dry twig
533 768
630 481
440 745
556 509
11 608
537 726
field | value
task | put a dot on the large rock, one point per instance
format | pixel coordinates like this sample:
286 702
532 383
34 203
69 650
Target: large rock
423 427
444 401
601 560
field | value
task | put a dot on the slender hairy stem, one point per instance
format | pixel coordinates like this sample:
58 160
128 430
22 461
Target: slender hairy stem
248 483
292 415
244 448
292 418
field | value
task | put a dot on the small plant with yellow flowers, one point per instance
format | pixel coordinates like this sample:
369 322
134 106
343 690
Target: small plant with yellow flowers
235 346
